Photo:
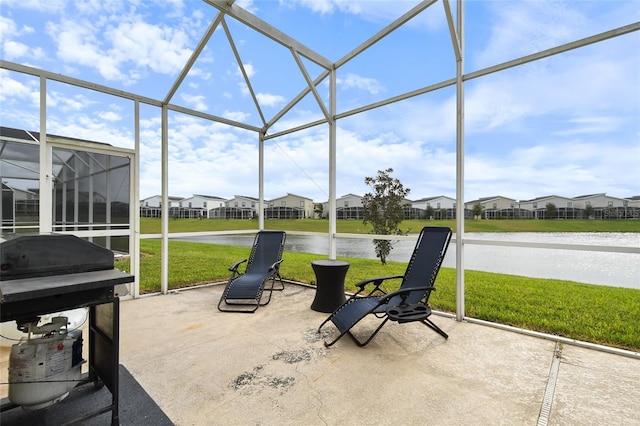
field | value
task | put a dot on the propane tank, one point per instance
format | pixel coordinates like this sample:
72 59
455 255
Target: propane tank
43 370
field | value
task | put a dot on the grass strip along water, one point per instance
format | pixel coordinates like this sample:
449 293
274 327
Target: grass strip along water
154 226
592 313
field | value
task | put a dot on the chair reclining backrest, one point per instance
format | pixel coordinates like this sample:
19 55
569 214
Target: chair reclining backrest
267 249
425 261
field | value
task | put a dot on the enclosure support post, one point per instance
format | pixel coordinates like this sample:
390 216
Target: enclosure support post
261 181
332 164
164 210
460 165
46 172
134 215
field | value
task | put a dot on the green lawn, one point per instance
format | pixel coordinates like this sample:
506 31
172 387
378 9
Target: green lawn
599 314
153 226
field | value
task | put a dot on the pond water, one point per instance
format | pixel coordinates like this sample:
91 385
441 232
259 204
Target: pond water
592 267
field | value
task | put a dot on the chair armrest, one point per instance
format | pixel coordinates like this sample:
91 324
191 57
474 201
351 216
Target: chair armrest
377 282
404 293
234 267
275 267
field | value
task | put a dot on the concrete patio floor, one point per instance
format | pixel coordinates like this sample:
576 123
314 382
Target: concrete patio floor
205 367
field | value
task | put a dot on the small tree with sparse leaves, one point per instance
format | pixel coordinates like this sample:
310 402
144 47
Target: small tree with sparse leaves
383 209
429 213
477 210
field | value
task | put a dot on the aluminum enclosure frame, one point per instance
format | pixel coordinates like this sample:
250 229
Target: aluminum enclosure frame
227 9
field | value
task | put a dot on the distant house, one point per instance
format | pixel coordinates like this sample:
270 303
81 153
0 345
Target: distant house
443 207
603 206
202 203
634 206
348 206
152 206
156 201
496 207
238 207
565 208
634 201
290 206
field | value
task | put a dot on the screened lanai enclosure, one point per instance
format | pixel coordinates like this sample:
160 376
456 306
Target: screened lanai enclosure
89 185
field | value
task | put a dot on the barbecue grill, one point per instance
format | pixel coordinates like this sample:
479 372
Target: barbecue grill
45 273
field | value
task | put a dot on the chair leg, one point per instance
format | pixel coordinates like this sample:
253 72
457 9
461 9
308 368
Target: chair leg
327 344
268 298
244 311
354 338
435 328
281 287
359 343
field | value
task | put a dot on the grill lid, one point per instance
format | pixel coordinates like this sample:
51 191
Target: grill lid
39 255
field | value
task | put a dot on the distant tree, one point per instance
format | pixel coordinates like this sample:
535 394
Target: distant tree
588 211
429 212
383 209
551 211
318 209
477 210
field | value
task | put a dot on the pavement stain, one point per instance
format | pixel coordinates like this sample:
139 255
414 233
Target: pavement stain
193 327
255 380
292 357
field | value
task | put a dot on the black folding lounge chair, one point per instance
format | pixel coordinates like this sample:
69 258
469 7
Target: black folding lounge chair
244 291
410 302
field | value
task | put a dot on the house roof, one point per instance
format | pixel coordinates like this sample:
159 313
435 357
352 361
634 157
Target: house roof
434 198
291 195
211 197
590 195
545 197
246 197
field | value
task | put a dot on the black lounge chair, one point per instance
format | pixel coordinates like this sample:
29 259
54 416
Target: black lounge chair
244 291
409 303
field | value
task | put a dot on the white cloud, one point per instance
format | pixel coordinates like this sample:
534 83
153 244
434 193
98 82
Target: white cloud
89 128
50 6
247 5
373 11
201 73
355 81
525 27
590 125
267 99
197 102
110 116
77 44
161 48
67 103
11 48
14 49
121 50
494 103
248 69
239 116
564 169
12 91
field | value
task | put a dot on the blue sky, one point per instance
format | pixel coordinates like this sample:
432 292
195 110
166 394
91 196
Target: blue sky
567 125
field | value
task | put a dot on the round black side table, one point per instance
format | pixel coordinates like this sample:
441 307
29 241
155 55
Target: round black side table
330 275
